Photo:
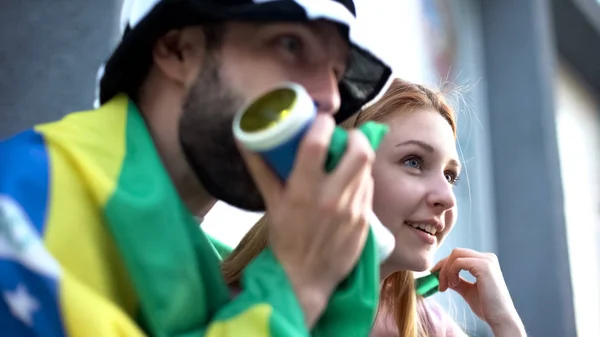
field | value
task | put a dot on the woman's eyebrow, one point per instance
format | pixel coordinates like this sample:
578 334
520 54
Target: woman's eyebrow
427 147
419 143
456 164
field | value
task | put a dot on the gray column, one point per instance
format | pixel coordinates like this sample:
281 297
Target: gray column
577 29
49 54
530 224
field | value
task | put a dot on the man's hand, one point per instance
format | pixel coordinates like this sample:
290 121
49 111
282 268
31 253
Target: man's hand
317 224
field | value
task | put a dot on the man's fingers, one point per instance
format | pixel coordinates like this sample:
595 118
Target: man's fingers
366 192
312 153
356 162
269 185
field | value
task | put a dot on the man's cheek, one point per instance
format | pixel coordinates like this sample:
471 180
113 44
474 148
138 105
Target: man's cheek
259 77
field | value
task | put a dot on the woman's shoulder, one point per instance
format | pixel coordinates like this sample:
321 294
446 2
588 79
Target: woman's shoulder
439 320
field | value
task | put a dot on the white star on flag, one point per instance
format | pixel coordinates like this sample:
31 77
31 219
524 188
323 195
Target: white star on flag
21 304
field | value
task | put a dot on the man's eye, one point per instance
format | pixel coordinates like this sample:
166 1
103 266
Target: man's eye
291 43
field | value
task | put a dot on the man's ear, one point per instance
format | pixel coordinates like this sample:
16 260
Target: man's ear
179 54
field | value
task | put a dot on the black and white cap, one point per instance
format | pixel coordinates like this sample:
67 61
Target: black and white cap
144 21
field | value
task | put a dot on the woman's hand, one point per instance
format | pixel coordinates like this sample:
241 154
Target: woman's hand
488 297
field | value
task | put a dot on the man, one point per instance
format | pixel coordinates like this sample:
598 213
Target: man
97 233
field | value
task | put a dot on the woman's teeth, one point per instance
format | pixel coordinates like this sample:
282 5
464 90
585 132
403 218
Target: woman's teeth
426 228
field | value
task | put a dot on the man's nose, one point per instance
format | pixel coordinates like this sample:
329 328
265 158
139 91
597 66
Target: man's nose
322 86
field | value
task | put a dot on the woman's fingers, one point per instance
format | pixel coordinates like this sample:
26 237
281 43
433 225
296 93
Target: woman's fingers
448 277
473 265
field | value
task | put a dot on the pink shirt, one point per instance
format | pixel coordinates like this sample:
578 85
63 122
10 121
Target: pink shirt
441 323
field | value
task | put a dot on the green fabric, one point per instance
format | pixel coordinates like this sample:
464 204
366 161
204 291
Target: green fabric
264 279
171 262
353 306
428 284
372 130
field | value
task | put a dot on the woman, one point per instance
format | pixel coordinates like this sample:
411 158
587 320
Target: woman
415 170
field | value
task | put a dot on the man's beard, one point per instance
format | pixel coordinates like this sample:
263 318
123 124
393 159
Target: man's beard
206 136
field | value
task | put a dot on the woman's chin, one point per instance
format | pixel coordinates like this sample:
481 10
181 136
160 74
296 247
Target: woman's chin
409 259
420 264
422 268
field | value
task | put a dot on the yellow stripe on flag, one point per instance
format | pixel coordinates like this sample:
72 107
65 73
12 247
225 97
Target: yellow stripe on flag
253 322
85 168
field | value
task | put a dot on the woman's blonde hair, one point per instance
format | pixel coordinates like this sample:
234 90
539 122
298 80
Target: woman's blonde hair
398 289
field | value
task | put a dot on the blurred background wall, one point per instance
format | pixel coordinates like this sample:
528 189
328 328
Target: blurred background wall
524 74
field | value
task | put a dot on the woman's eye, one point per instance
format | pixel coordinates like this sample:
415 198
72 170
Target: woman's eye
291 43
451 177
413 163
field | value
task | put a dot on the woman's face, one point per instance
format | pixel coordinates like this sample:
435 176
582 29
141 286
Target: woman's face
415 170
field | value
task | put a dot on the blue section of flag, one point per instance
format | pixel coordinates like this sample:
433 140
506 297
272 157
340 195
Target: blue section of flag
24 186
24 174
46 319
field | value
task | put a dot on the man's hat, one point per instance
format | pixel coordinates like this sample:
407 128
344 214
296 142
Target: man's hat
144 21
